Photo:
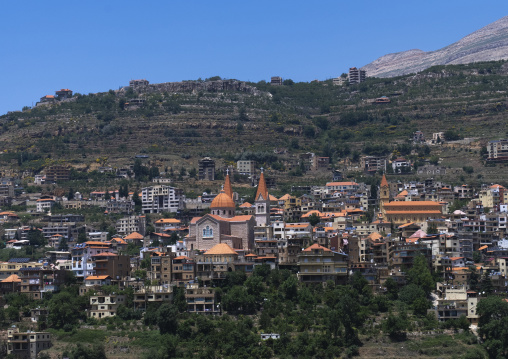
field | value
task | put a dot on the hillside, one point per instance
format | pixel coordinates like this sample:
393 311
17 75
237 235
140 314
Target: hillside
490 43
176 124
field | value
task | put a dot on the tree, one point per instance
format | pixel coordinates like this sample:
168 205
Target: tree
432 228
167 318
179 299
82 237
395 325
420 274
35 237
493 323
309 131
70 195
137 201
290 288
314 219
237 300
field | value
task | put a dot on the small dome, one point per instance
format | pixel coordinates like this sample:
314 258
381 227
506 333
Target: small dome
222 200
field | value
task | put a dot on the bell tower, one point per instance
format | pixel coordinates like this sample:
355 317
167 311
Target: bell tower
262 202
384 194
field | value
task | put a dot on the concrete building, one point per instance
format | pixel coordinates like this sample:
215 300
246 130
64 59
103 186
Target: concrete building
158 199
28 344
372 164
320 264
356 76
138 83
57 173
127 225
206 169
498 150
104 306
276 80
200 299
246 167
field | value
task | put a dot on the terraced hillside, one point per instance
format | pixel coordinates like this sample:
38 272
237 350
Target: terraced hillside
176 124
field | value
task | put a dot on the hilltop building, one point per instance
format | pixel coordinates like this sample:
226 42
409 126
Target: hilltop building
276 80
356 76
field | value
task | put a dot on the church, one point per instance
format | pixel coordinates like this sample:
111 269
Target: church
222 225
401 212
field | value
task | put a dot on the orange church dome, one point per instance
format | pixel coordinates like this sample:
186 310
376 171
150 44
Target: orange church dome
222 200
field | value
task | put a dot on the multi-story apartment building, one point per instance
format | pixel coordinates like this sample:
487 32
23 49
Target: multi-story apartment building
104 306
246 167
130 224
157 199
320 264
200 299
372 164
36 281
14 265
356 76
183 270
118 267
498 150
206 169
28 344
82 264
57 173
276 80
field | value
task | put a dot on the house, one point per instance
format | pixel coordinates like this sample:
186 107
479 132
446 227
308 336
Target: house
320 264
44 204
166 223
82 254
201 299
183 270
381 100
134 237
216 262
27 344
11 284
37 281
63 94
152 294
47 99
401 165
160 267
104 306
111 264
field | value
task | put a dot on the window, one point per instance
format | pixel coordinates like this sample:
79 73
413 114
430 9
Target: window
207 232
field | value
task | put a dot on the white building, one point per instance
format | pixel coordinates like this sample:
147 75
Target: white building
157 199
246 167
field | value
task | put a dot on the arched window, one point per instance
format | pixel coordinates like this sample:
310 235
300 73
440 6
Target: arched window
207 232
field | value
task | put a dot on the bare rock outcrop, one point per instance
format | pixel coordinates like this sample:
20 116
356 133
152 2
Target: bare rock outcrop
490 43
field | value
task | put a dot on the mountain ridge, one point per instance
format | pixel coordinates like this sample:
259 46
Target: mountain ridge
489 43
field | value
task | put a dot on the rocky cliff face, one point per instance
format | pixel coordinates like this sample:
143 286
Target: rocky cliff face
490 43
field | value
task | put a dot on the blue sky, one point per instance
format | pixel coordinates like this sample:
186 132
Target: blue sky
94 46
